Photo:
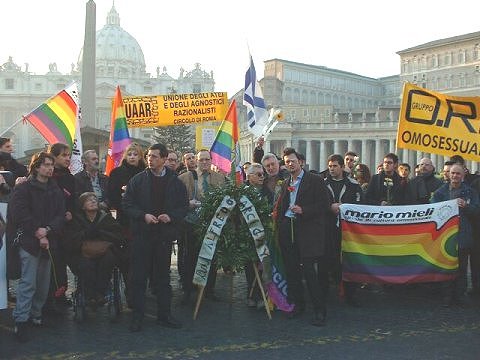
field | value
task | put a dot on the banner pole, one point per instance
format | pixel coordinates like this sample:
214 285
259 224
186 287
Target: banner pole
265 302
199 300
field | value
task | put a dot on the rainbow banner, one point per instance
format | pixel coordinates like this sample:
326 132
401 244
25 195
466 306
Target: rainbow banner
225 149
56 118
277 288
119 135
400 244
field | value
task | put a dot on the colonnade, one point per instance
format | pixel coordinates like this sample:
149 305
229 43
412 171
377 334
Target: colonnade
370 151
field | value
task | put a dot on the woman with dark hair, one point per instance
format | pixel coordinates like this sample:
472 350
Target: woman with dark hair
362 175
93 266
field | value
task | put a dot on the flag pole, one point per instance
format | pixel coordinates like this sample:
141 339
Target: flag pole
11 126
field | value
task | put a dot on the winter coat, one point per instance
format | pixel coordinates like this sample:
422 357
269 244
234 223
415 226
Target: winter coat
351 193
66 182
467 214
309 226
377 190
83 183
103 228
118 178
138 201
34 205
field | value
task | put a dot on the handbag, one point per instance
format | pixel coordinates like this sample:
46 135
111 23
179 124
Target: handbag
94 249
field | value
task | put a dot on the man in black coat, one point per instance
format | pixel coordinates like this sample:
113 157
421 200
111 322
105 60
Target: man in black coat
156 201
301 214
36 215
421 187
342 189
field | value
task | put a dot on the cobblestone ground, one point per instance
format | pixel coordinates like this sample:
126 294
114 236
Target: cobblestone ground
395 323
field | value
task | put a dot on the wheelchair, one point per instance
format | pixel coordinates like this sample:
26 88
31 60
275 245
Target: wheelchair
113 297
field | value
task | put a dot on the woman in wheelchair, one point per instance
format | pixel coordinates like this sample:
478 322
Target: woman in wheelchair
94 240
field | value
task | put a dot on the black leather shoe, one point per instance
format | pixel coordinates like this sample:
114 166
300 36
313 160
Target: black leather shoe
169 321
135 326
318 320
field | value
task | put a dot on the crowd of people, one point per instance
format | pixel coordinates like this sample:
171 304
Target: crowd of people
90 223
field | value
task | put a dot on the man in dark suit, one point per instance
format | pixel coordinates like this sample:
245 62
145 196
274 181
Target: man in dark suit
301 222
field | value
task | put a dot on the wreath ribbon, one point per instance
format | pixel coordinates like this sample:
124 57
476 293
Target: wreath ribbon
214 230
210 239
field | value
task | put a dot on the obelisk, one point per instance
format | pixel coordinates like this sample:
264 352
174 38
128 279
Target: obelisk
88 67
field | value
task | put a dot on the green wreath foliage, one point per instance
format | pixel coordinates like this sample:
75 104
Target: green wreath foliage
236 247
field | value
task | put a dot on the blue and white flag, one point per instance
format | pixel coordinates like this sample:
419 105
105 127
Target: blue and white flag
257 114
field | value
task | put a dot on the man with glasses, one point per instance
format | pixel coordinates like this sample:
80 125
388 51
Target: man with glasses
172 161
275 175
198 183
255 178
385 187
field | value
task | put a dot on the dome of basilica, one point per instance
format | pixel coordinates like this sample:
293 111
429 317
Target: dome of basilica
117 52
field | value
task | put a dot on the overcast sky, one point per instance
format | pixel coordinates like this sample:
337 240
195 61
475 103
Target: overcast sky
356 36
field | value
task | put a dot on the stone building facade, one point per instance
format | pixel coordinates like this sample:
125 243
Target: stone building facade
119 61
331 111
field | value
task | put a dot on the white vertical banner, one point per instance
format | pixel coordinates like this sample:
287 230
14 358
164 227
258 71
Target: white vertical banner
3 264
76 161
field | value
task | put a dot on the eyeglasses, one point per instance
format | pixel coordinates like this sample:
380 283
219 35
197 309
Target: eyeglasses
204 160
260 174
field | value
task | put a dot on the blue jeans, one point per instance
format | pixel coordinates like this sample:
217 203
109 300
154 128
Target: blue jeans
32 289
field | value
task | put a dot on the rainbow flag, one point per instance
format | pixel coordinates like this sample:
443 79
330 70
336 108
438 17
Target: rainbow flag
225 149
119 136
56 118
277 287
400 244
